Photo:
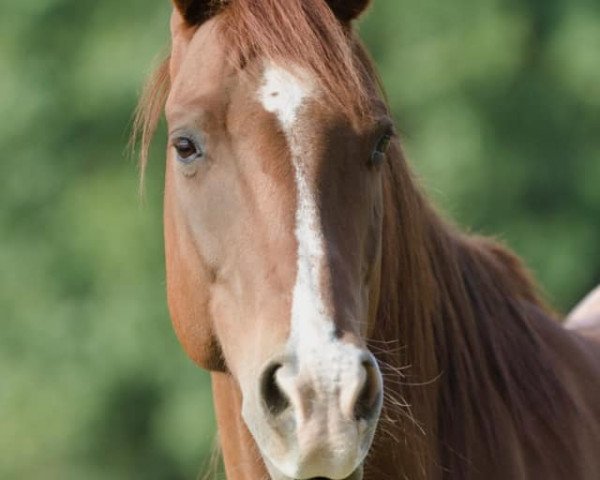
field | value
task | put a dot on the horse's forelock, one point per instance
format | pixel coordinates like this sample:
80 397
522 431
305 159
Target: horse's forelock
149 112
306 34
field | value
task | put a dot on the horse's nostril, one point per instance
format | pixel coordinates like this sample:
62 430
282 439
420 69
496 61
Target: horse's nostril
274 400
369 399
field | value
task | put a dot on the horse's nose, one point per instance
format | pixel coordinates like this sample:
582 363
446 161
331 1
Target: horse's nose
319 410
352 386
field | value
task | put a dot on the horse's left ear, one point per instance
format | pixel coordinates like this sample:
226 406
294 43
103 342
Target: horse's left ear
195 12
348 10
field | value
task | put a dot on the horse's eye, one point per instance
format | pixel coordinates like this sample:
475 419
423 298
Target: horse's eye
187 150
378 156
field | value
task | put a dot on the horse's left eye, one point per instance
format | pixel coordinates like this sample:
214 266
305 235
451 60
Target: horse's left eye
187 150
378 156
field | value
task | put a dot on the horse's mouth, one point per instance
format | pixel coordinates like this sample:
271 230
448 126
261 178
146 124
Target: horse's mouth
351 477
357 475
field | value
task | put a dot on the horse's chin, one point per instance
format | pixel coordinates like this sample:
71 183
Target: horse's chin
357 475
321 461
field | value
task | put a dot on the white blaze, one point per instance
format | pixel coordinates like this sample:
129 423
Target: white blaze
284 94
331 367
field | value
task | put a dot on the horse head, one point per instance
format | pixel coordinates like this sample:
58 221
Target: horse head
273 220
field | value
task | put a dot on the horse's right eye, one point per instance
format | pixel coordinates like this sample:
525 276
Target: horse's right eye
381 149
187 150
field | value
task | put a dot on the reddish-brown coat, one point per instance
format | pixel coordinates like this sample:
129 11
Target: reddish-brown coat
481 380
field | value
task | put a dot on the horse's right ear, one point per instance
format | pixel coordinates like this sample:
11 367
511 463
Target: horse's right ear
348 10
195 12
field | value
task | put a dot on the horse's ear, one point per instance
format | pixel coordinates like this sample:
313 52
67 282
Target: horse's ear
348 10
195 12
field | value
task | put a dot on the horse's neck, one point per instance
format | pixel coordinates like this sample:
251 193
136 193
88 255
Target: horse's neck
459 320
240 454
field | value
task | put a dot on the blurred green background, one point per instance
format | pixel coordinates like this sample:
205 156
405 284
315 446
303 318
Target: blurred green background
499 105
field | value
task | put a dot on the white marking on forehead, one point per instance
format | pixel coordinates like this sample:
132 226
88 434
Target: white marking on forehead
283 94
312 327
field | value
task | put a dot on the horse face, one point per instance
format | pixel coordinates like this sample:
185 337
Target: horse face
273 219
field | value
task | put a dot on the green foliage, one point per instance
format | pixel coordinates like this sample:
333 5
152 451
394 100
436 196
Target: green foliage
499 105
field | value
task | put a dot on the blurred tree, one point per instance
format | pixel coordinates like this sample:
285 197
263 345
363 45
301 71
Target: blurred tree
499 105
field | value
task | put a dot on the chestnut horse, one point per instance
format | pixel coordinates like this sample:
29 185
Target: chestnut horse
350 331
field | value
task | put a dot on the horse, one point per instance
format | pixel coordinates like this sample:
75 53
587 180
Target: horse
350 330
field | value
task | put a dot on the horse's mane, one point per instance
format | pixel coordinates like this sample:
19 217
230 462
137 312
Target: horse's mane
456 329
469 355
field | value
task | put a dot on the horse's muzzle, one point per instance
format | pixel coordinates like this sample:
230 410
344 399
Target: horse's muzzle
315 419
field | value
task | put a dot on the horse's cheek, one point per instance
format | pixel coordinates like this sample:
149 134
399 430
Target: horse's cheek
188 301
193 327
